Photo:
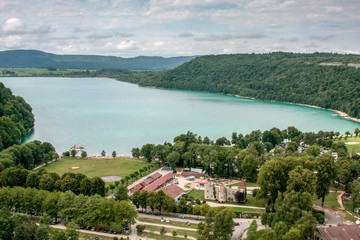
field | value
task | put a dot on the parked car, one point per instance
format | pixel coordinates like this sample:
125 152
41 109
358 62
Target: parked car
236 224
98 229
93 229
188 223
181 216
148 212
167 220
197 218
162 219
157 213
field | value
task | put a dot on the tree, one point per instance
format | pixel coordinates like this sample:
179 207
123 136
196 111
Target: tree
240 197
313 150
173 159
24 228
140 229
160 198
121 193
223 224
71 231
42 232
147 151
326 173
251 234
32 180
45 219
249 167
60 236
356 132
6 226
301 180
83 154
135 152
97 186
103 153
73 152
174 233
113 154
163 231
143 199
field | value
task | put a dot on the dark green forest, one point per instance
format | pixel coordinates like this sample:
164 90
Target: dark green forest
285 77
39 59
16 118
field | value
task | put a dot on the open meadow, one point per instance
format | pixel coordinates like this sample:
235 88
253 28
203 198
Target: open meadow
352 144
119 166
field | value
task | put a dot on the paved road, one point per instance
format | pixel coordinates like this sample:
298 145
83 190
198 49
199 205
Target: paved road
212 204
243 227
165 225
173 219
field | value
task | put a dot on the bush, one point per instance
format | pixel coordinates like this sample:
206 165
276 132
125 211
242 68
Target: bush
255 192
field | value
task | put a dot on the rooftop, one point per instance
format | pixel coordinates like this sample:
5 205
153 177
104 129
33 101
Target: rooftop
158 183
343 232
173 190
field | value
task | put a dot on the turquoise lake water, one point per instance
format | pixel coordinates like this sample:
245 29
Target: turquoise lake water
101 113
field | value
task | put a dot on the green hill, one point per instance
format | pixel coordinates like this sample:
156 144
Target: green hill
39 59
322 79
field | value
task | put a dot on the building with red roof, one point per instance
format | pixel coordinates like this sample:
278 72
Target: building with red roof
343 232
173 191
159 182
137 187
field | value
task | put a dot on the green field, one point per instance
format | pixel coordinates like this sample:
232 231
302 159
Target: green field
197 194
248 184
97 167
33 72
330 200
352 148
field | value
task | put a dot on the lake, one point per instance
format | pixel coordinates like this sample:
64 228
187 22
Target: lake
100 113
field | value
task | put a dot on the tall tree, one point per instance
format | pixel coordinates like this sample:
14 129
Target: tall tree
326 174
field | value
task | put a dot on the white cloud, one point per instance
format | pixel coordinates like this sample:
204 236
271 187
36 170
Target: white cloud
12 41
13 25
126 45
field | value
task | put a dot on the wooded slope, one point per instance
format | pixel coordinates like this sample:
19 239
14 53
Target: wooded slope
322 79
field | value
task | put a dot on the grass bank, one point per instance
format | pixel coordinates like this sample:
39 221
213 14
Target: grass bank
119 166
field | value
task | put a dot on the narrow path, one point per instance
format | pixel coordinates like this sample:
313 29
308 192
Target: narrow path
339 199
212 204
170 234
165 225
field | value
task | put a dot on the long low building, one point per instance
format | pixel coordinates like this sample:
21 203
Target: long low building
159 183
146 182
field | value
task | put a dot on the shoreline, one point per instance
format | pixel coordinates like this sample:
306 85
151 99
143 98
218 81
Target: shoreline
338 113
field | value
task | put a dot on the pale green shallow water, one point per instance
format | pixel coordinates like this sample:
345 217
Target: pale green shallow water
106 114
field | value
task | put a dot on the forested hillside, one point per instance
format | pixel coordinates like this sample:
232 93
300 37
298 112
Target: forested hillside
39 59
16 118
322 79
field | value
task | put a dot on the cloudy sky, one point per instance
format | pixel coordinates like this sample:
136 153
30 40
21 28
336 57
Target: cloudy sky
130 28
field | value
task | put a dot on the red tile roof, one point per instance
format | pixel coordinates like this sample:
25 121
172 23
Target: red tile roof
137 187
340 232
173 190
147 181
195 174
158 183
156 175
242 184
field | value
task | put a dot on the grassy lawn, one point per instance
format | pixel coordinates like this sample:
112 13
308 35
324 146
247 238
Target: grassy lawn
251 201
171 223
169 230
352 148
248 184
30 72
197 194
330 200
97 167
246 210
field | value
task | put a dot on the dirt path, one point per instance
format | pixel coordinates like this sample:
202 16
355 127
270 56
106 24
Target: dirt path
339 199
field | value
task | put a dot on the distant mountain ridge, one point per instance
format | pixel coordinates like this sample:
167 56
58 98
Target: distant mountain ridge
40 59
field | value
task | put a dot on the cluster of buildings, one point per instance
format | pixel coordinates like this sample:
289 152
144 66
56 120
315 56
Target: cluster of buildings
222 193
338 233
151 179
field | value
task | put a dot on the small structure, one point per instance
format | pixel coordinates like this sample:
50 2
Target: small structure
338 232
222 193
193 174
173 191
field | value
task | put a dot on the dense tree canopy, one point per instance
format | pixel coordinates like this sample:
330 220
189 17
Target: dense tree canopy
16 118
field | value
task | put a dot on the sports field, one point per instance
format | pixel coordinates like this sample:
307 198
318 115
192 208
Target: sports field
119 166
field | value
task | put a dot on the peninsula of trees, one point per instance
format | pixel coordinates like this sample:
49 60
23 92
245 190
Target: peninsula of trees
16 118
